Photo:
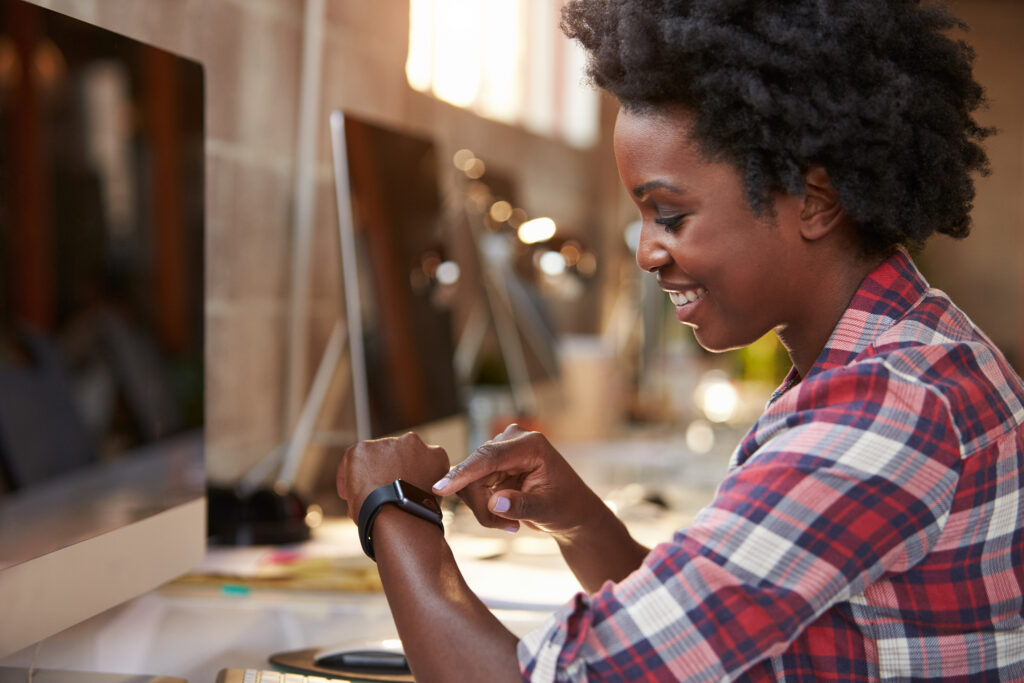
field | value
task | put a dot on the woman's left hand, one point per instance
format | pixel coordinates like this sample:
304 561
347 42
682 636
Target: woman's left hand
371 464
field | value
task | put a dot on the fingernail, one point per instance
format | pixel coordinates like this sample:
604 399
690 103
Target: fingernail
441 484
512 529
502 504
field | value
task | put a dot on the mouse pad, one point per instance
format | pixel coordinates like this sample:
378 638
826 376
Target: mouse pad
301 661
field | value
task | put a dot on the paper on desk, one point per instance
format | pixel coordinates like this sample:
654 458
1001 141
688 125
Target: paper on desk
507 571
308 568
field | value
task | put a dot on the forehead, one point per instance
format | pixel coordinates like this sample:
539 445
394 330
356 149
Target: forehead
654 141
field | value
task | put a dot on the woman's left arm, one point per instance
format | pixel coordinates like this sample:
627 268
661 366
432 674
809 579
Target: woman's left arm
447 633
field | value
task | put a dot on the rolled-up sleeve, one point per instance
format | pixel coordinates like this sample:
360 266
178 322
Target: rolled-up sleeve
841 489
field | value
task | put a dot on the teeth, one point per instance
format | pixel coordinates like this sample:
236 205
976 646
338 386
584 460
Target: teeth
688 296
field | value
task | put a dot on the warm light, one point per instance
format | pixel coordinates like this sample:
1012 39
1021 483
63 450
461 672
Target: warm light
717 397
458 43
430 262
448 273
536 230
419 63
632 235
10 63
501 211
478 196
49 63
495 57
314 516
587 264
475 169
552 263
499 87
463 159
571 253
700 437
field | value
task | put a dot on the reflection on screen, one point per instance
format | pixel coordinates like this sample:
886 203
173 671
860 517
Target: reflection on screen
101 245
406 277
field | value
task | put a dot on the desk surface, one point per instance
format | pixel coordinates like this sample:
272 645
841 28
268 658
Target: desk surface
192 630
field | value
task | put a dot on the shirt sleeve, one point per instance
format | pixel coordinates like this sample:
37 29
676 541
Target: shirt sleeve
853 480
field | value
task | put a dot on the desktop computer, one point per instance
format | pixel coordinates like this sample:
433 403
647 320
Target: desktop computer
401 281
102 491
101 320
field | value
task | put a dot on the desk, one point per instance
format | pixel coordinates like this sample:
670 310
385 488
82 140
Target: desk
192 631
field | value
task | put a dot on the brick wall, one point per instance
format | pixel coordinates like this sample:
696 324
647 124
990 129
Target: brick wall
252 54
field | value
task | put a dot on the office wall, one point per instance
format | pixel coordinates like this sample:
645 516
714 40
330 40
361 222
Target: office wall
985 272
252 51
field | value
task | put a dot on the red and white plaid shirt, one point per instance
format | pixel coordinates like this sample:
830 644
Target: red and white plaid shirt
870 526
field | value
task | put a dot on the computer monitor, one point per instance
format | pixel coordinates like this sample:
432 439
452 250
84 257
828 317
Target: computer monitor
101 320
400 282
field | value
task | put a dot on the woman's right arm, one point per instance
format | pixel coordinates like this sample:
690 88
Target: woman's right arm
518 477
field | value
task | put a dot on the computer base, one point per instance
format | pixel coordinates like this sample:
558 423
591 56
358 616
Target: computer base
264 517
10 674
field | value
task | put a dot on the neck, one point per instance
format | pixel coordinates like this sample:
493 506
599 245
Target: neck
805 337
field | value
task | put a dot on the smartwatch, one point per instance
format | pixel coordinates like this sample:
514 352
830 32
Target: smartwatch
407 497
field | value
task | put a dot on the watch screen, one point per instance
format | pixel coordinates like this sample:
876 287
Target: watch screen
419 496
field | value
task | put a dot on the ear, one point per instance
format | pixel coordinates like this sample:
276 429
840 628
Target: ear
821 212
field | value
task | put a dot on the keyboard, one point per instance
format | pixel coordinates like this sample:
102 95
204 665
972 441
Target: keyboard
268 676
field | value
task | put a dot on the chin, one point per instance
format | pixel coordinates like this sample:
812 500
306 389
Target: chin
718 343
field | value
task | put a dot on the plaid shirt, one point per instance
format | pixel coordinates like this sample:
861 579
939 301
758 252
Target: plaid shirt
870 526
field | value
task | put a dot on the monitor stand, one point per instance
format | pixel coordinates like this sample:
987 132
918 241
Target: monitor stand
251 514
10 674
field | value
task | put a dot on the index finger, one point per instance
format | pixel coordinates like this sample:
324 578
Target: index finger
490 458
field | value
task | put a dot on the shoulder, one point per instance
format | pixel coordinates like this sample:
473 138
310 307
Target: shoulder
938 348
928 376
932 371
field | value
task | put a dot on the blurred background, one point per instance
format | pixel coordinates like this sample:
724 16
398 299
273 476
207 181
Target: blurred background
527 174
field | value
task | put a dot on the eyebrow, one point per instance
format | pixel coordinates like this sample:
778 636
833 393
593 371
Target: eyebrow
645 188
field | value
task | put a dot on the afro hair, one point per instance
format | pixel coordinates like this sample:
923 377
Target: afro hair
875 91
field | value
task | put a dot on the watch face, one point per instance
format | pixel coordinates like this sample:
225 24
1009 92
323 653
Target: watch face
418 496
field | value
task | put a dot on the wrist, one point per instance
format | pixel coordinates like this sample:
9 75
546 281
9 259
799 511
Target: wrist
402 497
592 518
394 523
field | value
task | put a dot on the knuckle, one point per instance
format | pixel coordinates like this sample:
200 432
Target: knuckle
524 507
457 470
486 451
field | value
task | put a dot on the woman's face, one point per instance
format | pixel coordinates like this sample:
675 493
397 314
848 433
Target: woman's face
731 275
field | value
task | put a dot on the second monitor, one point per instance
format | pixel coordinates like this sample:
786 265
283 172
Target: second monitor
399 284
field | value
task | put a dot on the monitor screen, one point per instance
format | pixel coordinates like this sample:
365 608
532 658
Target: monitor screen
101 319
399 280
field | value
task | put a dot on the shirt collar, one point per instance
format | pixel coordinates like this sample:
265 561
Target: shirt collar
884 296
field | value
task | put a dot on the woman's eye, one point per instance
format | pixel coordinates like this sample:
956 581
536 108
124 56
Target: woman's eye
670 222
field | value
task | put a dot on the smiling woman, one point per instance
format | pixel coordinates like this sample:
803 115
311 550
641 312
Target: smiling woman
734 275
783 157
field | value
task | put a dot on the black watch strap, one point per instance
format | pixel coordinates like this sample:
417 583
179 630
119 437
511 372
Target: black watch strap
407 497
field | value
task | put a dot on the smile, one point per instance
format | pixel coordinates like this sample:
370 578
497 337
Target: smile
686 296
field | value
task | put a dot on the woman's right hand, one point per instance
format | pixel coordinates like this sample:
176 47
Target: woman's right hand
519 477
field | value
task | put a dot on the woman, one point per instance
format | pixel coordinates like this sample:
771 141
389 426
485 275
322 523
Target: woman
783 157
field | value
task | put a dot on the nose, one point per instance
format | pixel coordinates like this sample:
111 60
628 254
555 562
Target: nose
651 253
